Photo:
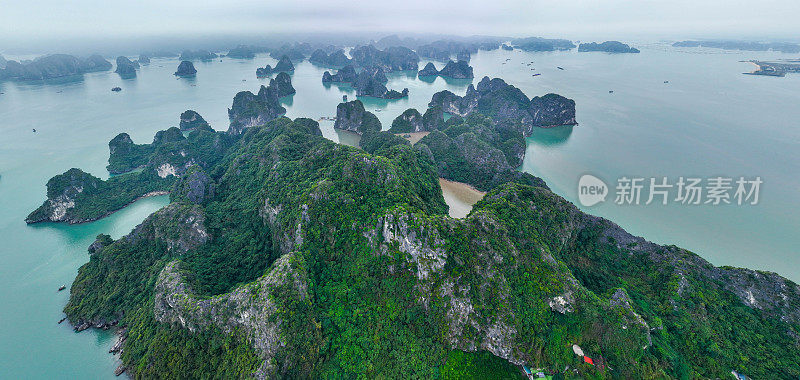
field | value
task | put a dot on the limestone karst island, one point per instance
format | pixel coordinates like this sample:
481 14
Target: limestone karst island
400 190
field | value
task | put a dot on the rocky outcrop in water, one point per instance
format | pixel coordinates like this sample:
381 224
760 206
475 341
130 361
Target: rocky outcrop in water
335 59
143 59
191 120
608 47
61 193
394 94
391 59
346 74
52 66
186 69
428 71
282 84
371 82
197 55
250 109
125 67
351 116
284 65
455 70
506 104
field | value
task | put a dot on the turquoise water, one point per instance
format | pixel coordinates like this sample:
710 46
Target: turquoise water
709 120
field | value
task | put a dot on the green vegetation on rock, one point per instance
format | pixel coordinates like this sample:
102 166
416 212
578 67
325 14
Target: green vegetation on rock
287 255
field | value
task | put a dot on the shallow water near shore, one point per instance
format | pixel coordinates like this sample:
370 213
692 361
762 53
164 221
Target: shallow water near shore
709 120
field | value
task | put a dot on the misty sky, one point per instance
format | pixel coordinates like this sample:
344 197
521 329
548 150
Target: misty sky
59 20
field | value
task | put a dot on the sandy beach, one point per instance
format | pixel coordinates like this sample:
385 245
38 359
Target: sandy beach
460 197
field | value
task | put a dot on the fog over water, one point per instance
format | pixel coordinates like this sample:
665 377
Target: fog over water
82 25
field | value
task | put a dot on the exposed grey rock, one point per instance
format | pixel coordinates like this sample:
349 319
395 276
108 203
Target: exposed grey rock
250 308
351 116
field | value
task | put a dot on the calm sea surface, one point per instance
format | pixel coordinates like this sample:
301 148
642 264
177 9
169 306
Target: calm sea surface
708 121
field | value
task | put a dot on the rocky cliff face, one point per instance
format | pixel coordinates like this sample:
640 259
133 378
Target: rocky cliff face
253 308
282 84
125 67
186 69
457 70
506 104
179 227
249 109
408 121
195 186
351 116
61 193
371 82
346 74
428 71
190 120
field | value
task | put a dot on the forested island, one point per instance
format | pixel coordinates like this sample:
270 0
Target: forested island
284 254
369 81
455 70
541 44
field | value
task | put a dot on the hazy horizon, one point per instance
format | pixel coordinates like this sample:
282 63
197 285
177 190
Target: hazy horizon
90 25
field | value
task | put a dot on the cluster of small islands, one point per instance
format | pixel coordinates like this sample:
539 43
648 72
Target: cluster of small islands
285 255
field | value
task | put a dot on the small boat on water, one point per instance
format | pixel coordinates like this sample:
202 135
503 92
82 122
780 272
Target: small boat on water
378 110
610 91
34 130
62 287
559 67
536 75
666 81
